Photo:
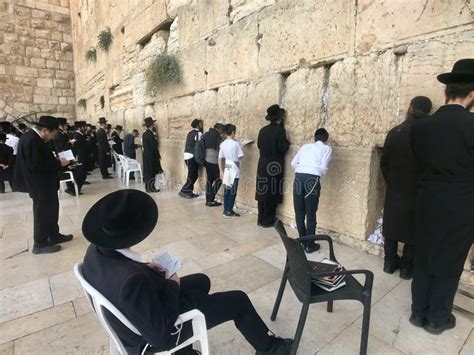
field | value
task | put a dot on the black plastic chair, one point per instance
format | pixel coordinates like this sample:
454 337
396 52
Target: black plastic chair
298 273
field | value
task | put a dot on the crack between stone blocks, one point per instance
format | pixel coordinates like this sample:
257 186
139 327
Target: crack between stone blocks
465 341
325 95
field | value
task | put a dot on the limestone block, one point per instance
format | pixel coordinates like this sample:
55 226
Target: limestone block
139 89
37 63
284 42
41 99
234 56
45 73
303 102
172 6
205 107
26 41
231 103
62 100
33 52
148 20
244 8
63 84
160 114
173 39
41 43
179 116
47 53
25 71
45 83
406 20
62 74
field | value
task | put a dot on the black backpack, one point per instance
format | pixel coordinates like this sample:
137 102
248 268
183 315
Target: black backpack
199 151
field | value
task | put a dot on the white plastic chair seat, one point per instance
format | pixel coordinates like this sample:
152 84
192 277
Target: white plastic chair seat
98 303
130 166
70 179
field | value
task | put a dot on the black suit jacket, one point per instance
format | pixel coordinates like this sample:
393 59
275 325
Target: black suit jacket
6 158
151 154
61 141
80 147
118 142
149 301
36 169
102 141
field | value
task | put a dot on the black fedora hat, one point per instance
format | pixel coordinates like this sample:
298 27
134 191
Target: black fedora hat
275 112
48 122
462 72
149 121
120 219
3 136
102 120
119 127
61 120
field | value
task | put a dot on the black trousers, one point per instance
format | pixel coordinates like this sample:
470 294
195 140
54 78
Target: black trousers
104 163
45 219
79 177
193 174
391 253
219 308
433 296
267 212
306 192
213 181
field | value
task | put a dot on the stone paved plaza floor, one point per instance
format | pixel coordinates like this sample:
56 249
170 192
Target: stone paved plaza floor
43 311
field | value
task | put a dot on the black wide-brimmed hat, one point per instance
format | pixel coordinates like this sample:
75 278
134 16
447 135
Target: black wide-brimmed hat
121 219
102 120
149 121
48 122
119 127
462 72
61 120
3 137
22 126
275 112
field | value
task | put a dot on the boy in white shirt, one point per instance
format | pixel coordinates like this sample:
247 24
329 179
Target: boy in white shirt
230 154
310 163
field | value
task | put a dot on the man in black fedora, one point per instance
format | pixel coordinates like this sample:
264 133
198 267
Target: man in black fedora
443 145
273 145
117 147
150 300
151 156
104 149
37 172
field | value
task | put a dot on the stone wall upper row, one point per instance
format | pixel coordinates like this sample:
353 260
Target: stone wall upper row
36 60
350 66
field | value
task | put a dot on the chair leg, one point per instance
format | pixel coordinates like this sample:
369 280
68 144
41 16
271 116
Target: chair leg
365 327
127 178
300 328
330 304
76 189
276 307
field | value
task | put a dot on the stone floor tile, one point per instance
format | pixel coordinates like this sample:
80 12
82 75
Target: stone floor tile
65 287
247 273
468 347
7 348
81 306
348 342
35 322
82 335
25 299
215 259
213 243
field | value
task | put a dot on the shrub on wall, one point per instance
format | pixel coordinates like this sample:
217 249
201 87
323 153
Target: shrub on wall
105 39
163 69
91 55
82 103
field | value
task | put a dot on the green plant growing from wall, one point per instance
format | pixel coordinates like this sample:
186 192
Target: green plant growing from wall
105 39
82 103
91 55
164 68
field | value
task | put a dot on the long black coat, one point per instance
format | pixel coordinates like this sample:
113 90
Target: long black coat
273 145
80 148
149 301
104 148
61 141
443 146
151 155
399 169
36 169
6 158
118 142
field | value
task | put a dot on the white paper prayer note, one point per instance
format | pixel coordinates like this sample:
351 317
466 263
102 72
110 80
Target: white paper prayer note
168 262
67 154
246 141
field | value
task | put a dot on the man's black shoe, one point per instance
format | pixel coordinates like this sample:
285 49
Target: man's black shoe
152 190
406 273
47 249
132 178
107 177
265 225
234 214
437 329
230 214
61 238
71 192
280 347
185 195
213 204
86 183
417 321
390 266
311 247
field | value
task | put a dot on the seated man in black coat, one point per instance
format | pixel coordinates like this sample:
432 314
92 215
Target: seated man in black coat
149 300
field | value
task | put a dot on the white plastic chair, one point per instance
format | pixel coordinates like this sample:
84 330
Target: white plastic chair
129 166
98 303
118 164
70 179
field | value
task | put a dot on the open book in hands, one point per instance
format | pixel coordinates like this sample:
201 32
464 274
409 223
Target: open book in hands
168 262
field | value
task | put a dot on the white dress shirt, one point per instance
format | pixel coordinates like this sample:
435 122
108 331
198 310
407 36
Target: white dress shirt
130 254
312 159
12 141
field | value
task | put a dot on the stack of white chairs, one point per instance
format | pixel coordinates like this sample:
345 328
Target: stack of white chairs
99 304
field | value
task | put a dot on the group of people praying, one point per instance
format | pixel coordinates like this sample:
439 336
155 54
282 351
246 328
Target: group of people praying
427 163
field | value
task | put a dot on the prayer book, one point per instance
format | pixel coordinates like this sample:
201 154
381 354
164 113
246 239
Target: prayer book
327 283
67 154
168 262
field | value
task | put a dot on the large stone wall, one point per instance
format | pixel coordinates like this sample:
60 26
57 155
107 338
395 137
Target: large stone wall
36 60
348 65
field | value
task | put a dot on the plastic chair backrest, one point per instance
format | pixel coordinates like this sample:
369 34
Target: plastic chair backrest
124 162
299 268
99 303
